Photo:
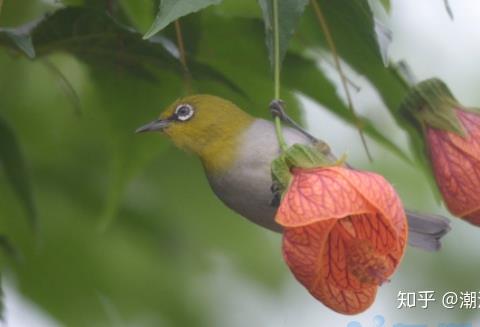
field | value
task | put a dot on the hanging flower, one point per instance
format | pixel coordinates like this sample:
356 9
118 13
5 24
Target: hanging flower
345 233
452 135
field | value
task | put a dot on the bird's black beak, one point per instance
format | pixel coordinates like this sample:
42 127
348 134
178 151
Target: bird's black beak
156 125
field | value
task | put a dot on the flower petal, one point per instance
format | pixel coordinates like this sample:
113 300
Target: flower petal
319 194
471 143
345 234
319 255
381 195
456 165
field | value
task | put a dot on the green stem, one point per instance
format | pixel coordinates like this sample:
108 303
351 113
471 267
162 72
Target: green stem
280 138
187 77
322 21
276 74
276 50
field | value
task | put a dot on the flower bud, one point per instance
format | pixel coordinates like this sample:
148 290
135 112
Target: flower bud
452 137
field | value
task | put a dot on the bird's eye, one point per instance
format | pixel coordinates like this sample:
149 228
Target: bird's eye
184 112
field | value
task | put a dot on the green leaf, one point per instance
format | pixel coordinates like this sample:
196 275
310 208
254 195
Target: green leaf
11 252
289 12
22 41
73 2
13 164
14 13
173 9
386 4
65 85
139 12
235 8
93 36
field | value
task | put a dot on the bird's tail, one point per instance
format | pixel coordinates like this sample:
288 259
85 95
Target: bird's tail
426 230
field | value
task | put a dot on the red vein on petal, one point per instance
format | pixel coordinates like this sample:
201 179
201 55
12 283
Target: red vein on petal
299 208
342 260
457 172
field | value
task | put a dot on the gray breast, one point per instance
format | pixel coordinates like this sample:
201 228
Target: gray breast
245 188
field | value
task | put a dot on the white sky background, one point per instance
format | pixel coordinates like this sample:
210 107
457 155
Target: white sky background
433 45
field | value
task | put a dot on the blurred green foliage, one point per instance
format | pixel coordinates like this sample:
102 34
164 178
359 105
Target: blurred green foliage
126 222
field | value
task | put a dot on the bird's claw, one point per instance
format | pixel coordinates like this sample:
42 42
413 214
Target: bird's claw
277 109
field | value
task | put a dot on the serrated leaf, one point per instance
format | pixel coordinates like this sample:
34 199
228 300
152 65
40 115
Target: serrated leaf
13 164
22 41
171 10
93 36
289 13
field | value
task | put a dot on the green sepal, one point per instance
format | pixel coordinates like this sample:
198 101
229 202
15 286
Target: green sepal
281 174
298 156
304 156
432 103
472 110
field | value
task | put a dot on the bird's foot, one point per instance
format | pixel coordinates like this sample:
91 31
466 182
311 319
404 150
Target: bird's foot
277 109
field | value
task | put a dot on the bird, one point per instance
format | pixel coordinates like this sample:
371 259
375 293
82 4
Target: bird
236 150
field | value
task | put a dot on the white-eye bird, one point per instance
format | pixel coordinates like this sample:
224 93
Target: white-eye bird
236 151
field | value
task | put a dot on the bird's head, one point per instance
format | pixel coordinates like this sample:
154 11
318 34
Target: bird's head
206 125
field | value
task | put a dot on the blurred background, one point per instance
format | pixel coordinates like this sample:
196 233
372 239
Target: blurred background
127 231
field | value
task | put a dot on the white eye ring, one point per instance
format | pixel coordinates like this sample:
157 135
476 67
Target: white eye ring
184 112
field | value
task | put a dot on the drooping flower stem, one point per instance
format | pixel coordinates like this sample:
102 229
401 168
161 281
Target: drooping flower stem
183 57
331 44
276 73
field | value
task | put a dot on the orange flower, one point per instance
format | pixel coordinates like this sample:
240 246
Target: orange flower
456 165
345 234
452 134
